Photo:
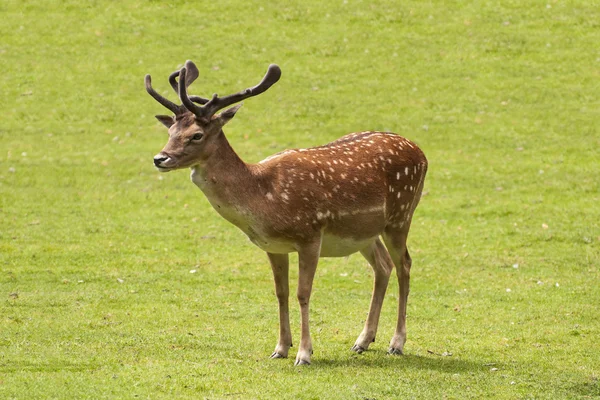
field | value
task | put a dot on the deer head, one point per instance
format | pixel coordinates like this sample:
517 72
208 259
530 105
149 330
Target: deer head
195 129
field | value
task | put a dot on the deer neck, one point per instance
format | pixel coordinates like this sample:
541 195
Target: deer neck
226 181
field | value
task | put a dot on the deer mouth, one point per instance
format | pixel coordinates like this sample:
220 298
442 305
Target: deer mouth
164 163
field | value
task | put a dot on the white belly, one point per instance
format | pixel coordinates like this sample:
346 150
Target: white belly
333 246
271 245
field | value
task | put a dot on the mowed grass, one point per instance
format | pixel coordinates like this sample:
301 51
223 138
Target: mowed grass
97 295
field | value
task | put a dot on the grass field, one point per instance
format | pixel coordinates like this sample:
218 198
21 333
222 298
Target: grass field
97 295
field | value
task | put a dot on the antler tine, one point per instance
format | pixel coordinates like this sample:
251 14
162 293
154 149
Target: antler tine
175 85
198 99
192 75
217 103
162 100
173 81
187 101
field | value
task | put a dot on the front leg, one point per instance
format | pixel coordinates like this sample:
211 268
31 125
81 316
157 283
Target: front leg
280 266
308 258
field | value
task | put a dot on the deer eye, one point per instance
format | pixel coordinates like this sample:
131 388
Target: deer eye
197 136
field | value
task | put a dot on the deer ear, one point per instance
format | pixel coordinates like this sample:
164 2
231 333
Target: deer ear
226 115
166 120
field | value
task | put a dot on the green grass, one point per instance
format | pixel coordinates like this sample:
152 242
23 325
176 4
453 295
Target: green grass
96 295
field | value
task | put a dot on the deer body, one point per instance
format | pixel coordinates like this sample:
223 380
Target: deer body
327 201
345 192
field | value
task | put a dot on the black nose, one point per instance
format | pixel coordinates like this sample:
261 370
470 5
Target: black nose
159 160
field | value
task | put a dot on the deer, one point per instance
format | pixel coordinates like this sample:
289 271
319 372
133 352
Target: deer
355 194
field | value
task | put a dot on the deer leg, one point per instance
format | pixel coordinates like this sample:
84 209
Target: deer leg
396 243
379 259
308 260
280 267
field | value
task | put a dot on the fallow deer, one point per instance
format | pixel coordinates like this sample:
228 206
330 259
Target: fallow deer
327 201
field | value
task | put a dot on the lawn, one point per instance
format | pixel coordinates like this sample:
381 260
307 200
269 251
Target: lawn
120 282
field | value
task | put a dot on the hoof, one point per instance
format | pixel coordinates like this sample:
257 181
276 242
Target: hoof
301 362
358 349
277 355
395 352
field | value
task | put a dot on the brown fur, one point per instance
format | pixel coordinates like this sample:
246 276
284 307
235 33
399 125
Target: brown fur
332 200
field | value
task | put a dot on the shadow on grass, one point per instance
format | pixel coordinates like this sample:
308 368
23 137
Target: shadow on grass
450 364
589 389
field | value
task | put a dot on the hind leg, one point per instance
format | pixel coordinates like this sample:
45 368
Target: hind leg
379 259
395 240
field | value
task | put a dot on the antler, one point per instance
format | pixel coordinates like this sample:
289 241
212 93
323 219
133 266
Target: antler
176 109
208 108
217 103
192 75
